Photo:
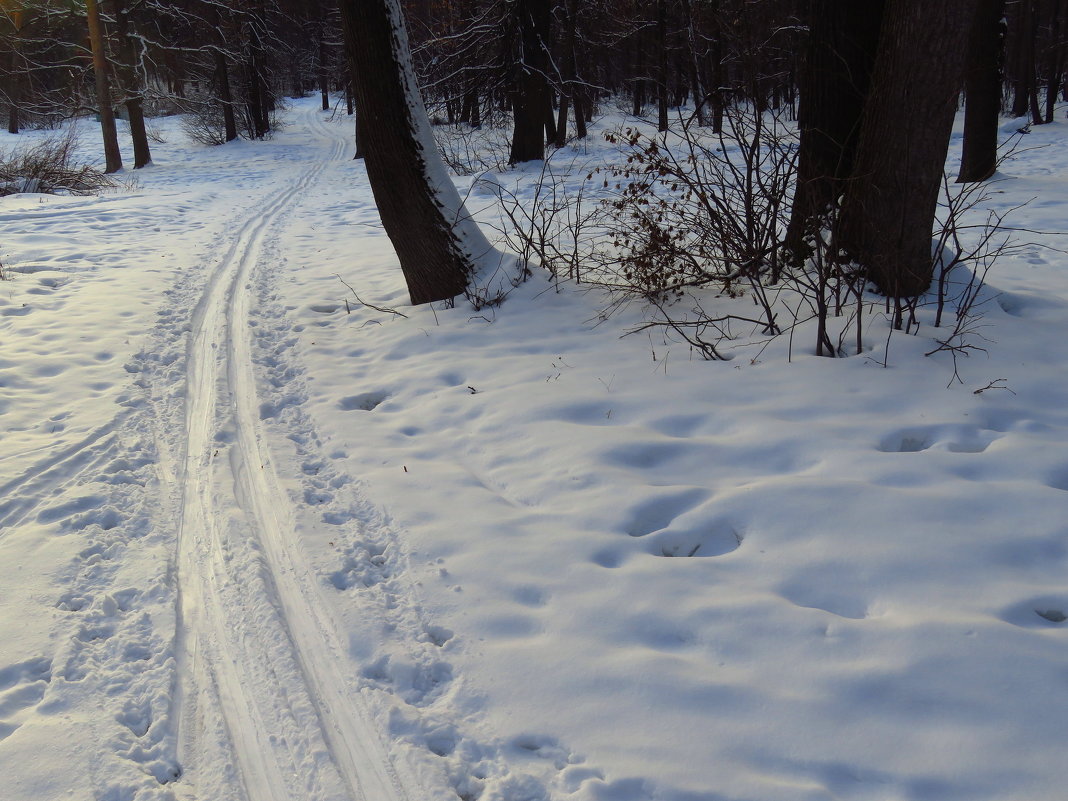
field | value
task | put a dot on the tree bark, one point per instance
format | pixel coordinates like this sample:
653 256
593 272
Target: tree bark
530 92
226 97
112 155
889 206
131 86
982 90
835 77
17 70
436 241
693 65
1025 84
1054 58
567 91
661 66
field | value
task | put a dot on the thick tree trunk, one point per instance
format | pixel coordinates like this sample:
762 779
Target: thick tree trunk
983 92
112 155
436 241
530 92
890 201
843 37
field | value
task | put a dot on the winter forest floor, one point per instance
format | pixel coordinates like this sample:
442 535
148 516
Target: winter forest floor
261 542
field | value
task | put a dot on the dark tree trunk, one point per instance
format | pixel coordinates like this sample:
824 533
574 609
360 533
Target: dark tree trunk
226 98
530 91
112 155
15 94
661 66
567 91
1054 58
324 69
550 120
835 77
693 64
982 87
260 101
716 71
1025 88
889 207
131 87
138 133
436 242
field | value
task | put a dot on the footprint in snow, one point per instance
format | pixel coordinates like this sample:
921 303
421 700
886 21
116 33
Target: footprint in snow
1042 612
365 402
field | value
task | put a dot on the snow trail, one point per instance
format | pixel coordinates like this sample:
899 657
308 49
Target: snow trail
267 712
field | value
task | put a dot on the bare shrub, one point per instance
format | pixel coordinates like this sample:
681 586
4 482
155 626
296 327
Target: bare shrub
51 167
467 151
691 225
203 120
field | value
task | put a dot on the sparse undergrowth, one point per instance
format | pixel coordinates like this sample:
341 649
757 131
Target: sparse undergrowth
690 224
51 167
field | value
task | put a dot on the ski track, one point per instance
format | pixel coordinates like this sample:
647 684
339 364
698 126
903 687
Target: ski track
261 670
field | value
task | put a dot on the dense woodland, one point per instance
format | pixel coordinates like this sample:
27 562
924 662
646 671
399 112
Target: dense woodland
870 91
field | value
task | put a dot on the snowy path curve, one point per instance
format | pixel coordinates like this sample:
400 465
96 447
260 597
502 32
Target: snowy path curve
268 711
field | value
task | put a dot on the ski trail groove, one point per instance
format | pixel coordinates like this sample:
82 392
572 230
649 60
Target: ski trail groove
267 709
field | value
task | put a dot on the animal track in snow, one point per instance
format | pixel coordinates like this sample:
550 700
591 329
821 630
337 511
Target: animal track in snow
1042 612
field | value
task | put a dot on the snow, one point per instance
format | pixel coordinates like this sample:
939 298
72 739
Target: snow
261 541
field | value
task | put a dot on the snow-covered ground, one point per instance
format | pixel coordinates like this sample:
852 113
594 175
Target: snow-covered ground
260 541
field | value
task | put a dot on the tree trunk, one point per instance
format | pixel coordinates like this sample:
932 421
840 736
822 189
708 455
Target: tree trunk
436 241
15 94
530 92
112 156
694 64
982 89
1054 59
661 66
131 86
1025 87
716 76
567 91
890 201
226 97
843 37
550 120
